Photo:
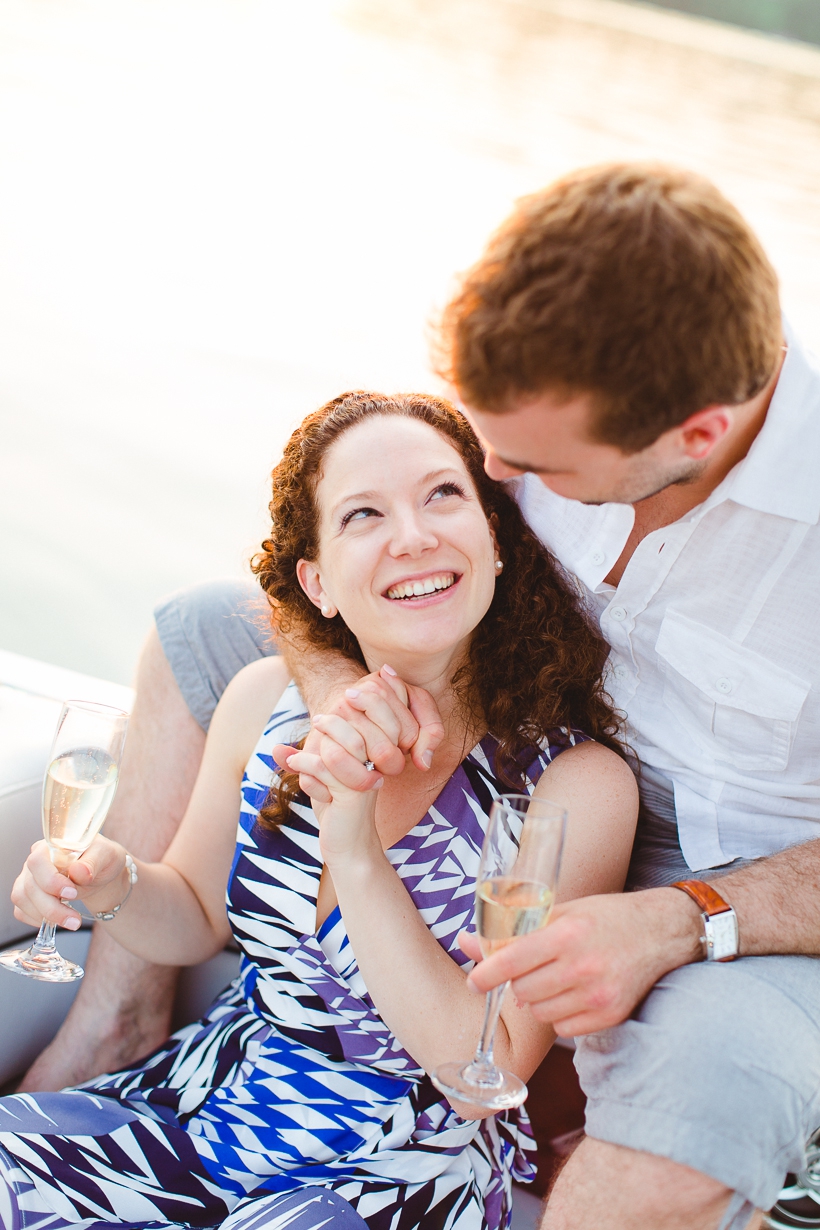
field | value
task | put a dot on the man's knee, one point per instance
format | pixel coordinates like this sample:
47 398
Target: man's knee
701 1075
610 1185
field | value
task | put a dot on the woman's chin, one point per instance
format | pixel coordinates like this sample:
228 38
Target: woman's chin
420 645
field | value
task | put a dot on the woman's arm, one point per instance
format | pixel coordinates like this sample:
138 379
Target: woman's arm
420 992
176 913
600 795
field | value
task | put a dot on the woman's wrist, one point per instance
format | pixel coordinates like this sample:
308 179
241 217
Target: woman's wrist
109 897
356 866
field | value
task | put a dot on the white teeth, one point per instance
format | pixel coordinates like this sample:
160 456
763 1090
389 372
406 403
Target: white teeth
416 589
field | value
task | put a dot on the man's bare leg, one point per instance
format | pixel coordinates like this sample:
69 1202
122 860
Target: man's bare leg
123 1007
604 1185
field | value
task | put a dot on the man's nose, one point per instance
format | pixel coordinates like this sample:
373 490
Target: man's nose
496 468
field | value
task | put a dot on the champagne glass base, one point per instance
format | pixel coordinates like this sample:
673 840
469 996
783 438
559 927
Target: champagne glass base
489 1088
46 966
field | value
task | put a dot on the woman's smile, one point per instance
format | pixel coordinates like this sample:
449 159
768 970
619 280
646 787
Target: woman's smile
422 589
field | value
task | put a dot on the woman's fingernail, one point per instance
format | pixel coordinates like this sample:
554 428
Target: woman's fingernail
72 922
69 893
388 670
318 717
377 784
352 693
427 758
472 987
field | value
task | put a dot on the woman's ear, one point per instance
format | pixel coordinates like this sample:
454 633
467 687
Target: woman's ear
492 522
307 574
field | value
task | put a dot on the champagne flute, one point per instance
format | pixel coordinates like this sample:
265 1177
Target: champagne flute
79 785
515 889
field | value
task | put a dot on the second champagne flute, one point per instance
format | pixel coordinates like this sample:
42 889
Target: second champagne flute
520 860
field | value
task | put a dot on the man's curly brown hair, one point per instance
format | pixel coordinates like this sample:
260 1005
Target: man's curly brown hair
534 662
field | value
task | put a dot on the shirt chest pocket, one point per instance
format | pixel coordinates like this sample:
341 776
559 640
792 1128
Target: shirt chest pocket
738 706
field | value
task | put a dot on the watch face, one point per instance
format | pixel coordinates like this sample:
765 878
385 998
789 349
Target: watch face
721 935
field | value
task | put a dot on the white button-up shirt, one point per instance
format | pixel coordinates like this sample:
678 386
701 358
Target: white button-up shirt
715 632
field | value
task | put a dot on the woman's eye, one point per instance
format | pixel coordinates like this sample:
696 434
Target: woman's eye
446 489
358 514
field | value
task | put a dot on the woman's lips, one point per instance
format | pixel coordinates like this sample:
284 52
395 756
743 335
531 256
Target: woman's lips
434 590
419 587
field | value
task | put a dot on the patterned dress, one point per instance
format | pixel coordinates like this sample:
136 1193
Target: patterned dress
291 1087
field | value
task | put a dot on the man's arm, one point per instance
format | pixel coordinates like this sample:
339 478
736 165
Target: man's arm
777 902
600 956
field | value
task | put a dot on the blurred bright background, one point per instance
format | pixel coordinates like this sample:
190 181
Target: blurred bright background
215 214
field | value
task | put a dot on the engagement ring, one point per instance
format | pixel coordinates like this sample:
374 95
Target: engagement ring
369 765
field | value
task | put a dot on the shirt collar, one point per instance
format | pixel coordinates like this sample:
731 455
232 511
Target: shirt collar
779 473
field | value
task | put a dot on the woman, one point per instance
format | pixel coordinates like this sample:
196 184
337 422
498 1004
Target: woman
308 1078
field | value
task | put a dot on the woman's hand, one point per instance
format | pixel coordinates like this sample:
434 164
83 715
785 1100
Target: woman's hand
41 890
332 765
392 718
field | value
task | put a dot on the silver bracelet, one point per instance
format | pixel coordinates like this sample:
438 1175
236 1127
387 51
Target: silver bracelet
131 868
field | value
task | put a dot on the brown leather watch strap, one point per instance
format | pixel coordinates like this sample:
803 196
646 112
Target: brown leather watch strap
703 895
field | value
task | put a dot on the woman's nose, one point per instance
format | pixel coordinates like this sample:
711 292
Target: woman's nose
411 535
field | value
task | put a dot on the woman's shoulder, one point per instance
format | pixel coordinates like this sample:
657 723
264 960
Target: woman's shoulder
576 752
246 705
595 766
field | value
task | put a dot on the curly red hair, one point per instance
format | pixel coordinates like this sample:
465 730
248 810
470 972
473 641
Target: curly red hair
534 663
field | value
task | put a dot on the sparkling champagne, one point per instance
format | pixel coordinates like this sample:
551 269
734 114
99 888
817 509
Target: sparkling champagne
507 907
78 790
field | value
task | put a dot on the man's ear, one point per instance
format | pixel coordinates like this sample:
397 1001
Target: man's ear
307 574
704 430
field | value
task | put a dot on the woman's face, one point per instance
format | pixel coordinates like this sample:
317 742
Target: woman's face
406 554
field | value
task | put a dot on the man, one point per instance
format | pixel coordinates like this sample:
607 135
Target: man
619 348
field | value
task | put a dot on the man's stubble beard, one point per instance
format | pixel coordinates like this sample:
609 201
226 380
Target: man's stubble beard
646 482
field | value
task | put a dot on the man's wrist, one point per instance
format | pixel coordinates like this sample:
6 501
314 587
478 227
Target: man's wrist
674 922
322 690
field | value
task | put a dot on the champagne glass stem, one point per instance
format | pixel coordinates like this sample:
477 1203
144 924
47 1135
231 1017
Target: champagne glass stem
45 942
482 1069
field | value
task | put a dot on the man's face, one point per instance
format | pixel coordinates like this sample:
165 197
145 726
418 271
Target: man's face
552 439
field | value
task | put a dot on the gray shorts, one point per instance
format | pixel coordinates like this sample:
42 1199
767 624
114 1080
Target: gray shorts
208 633
718 1068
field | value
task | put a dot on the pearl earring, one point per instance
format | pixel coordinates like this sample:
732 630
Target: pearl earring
499 564
326 610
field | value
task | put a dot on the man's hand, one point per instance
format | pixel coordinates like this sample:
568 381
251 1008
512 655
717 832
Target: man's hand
596 959
390 719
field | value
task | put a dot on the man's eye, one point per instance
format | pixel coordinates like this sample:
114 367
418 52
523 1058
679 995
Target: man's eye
446 489
357 514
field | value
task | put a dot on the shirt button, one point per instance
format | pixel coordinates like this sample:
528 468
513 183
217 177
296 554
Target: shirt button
597 557
621 672
724 685
619 613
